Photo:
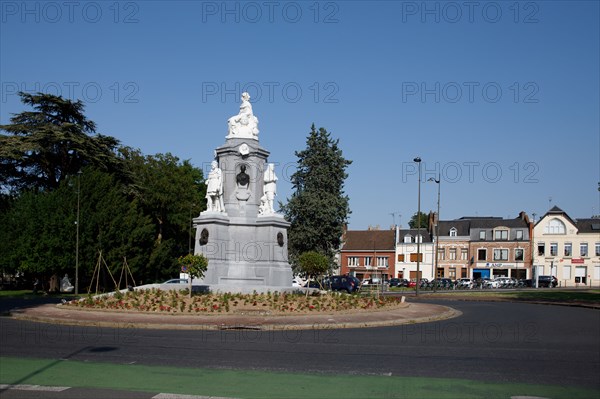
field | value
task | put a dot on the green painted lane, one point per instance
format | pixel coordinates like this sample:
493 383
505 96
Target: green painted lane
262 384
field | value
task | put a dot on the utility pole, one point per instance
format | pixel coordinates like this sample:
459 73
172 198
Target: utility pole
77 235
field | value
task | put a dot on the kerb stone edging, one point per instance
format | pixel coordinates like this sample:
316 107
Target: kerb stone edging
414 313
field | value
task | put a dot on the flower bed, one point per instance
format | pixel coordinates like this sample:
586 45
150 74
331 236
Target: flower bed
179 302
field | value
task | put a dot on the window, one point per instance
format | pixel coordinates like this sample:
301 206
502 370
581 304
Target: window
452 273
481 254
463 272
453 232
353 261
501 235
441 253
382 261
368 260
419 238
401 258
567 272
598 249
554 226
408 239
482 234
500 254
568 249
413 257
452 254
541 249
519 255
553 249
583 249
519 235
464 254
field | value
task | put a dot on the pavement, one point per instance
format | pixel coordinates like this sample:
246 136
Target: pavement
409 313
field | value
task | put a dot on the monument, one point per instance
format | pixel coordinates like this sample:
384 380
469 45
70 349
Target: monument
241 235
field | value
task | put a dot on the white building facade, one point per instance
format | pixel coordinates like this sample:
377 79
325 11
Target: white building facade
567 249
406 254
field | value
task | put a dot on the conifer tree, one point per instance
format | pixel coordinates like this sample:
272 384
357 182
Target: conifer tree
318 209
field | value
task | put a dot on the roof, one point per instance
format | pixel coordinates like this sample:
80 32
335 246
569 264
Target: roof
589 226
413 232
466 223
462 227
369 240
557 211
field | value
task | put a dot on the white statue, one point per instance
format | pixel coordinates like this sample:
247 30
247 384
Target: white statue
244 124
65 284
214 189
270 190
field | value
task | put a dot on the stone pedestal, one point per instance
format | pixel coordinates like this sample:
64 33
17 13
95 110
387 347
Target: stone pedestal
246 251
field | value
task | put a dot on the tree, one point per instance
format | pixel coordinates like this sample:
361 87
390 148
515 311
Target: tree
170 192
194 265
313 264
52 142
318 208
38 235
415 220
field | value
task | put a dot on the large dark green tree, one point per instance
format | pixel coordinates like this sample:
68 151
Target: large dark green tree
170 192
318 209
38 238
53 141
415 221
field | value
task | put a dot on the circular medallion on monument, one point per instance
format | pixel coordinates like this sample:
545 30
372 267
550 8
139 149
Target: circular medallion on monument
280 239
244 149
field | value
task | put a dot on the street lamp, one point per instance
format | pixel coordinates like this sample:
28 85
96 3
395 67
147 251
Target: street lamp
437 229
418 161
77 236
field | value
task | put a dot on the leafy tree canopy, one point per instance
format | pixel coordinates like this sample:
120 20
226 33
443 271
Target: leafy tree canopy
46 145
318 209
415 221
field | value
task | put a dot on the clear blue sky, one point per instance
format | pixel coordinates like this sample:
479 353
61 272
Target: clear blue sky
500 97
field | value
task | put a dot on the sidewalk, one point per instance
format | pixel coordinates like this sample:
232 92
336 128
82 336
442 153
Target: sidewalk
410 314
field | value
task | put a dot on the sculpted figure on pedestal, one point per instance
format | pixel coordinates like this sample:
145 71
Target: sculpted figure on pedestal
214 189
244 124
270 190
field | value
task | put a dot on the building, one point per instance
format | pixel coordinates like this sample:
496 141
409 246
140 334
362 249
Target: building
452 247
406 254
500 247
567 249
482 247
368 254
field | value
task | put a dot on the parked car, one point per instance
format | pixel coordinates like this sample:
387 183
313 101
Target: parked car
547 281
464 283
312 284
395 282
349 284
488 283
176 281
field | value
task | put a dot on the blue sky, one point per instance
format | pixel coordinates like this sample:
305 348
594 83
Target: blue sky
500 98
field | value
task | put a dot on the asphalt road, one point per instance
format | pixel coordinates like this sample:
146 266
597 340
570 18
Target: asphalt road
500 342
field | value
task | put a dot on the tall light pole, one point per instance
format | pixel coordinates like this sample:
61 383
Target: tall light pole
437 228
418 161
190 232
533 249
77 236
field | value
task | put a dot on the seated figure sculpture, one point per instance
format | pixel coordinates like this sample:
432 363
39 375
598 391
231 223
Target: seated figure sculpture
244 124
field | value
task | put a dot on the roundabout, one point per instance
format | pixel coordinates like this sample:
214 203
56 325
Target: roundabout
405 313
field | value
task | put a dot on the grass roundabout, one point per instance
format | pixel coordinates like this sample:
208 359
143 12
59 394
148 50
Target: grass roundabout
155 301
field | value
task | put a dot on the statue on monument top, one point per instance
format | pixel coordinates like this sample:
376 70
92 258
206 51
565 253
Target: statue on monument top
244 124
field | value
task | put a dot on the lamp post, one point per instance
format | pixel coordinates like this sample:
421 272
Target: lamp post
190 232
418 161
437 229
77 235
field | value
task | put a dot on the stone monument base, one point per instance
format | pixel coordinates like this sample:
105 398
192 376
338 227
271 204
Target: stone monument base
244 254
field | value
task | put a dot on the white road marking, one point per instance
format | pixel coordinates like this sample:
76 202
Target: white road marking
24 387
180 396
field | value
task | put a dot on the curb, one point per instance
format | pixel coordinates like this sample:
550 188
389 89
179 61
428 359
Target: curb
423 313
